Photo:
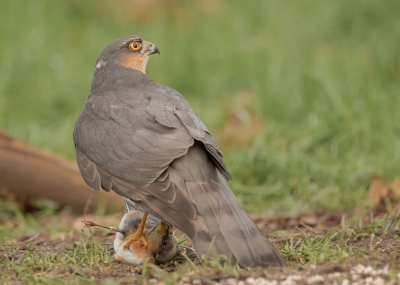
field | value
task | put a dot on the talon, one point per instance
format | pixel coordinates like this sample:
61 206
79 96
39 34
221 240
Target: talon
138 235
127 245
144 241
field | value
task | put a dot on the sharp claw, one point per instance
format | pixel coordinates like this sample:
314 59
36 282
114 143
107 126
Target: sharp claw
131 239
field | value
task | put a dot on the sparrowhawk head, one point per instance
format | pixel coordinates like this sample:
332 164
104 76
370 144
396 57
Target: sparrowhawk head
130 52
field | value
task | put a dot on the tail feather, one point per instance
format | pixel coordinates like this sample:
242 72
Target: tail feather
206 202
259 251
235 234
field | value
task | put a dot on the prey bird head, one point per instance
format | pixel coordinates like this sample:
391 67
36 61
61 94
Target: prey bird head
130 52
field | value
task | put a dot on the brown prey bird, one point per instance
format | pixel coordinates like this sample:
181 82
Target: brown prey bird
156 245
142 140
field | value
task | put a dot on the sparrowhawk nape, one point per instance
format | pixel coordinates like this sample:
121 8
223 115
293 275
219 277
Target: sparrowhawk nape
143 140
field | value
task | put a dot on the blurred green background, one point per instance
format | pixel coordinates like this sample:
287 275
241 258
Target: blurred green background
303 97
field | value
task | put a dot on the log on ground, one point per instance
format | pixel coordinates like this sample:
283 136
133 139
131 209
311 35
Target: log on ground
35 173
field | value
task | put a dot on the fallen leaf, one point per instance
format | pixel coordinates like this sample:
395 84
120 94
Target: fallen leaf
378 189
241 125
309 220
395 186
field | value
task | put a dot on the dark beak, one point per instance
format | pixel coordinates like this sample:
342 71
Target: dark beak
153 49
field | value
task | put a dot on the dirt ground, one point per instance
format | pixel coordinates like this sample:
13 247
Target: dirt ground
373 253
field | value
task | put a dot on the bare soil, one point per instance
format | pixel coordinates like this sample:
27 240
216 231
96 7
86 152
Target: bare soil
379 262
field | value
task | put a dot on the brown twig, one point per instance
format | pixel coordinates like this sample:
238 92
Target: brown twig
87 204
32 238
89 224
315 231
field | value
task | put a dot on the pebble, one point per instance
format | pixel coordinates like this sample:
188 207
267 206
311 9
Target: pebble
379 281
369 280
345 282
229 281
260 281
355 277
361 269
296 277
334 275
315 279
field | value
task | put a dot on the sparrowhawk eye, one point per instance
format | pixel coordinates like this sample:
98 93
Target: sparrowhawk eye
134 45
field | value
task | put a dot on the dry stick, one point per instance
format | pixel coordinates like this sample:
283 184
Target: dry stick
87 204
29 239
89 224
315 231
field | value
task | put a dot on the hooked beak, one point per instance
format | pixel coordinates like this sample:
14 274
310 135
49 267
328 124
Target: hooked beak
153 49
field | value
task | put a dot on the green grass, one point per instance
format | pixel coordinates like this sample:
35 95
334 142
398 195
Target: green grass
86 260
35 263
337 243
323 75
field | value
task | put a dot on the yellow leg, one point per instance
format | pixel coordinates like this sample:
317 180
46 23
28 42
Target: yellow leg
138 235
162 228
144 241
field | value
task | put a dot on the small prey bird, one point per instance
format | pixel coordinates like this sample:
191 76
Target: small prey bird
151 241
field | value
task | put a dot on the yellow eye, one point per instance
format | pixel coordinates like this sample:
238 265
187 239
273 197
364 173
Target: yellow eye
134 46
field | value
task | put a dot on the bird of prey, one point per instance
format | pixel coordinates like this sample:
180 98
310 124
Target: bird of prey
143 140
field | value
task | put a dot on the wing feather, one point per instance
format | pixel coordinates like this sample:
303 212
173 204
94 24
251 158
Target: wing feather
149 146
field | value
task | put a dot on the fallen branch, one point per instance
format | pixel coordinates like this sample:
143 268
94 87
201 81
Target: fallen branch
35 173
